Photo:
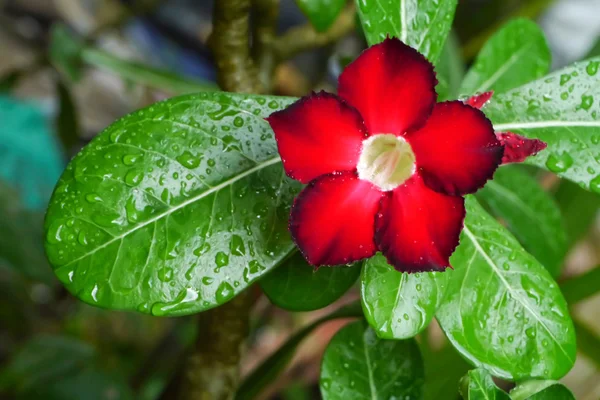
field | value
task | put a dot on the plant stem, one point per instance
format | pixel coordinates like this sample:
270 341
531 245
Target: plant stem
305 37
265 14
229 42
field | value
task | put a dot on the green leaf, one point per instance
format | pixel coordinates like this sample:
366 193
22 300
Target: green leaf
503 311
321 13
399 305
530 214
422 24
478 385
560 110
588 342
541 390
67 122
579 209
514 55
143 74
173 209
297 286
20 238
445 368
359 365
581 287
267 372
65 51
449 69
9 80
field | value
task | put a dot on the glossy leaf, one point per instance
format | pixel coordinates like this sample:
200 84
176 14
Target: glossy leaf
297 286
514 55
562 111
541 390
449 69
30 156
267 372
530 214
173 209
478 385
359 365
321 13
399 305
20 238
145 75
422 24
503 311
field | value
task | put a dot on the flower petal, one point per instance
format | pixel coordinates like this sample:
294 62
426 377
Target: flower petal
517 148
417 229
457 150
333 219
392 86
479 100
317 135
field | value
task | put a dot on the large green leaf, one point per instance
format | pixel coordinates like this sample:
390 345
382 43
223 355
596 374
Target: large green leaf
173 209
399 305
530 213
359 365
422 24
503 311
513 56
267 372
297 286
578 207
449 69
321 13
478 385
541 390
562 111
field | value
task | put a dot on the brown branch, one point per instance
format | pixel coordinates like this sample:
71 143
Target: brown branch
229 42
305 37
265 13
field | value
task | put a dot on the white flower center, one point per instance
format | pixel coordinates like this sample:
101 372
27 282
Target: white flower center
386 160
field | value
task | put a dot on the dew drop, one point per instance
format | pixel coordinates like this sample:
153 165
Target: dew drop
224 292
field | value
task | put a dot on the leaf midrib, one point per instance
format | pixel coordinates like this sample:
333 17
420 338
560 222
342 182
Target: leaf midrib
515 295
169 211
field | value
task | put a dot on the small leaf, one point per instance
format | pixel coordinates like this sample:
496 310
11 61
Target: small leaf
478 385
422 24
145 75
65 51
530 214
267 372
67 122
297 286
514 55
321 13
541 390
173 209
449 69
359 365
562 111
503 311
399 305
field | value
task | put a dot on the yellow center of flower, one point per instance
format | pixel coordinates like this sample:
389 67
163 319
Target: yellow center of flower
386 160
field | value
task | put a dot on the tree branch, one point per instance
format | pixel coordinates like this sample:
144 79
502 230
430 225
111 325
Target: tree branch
305 37
265 14
229 43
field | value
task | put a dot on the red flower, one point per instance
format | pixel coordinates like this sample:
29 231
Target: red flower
386 165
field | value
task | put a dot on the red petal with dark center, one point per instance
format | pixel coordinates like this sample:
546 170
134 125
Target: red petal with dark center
479 100
333 219
392 86
457 150
517 148
317 135
417 229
